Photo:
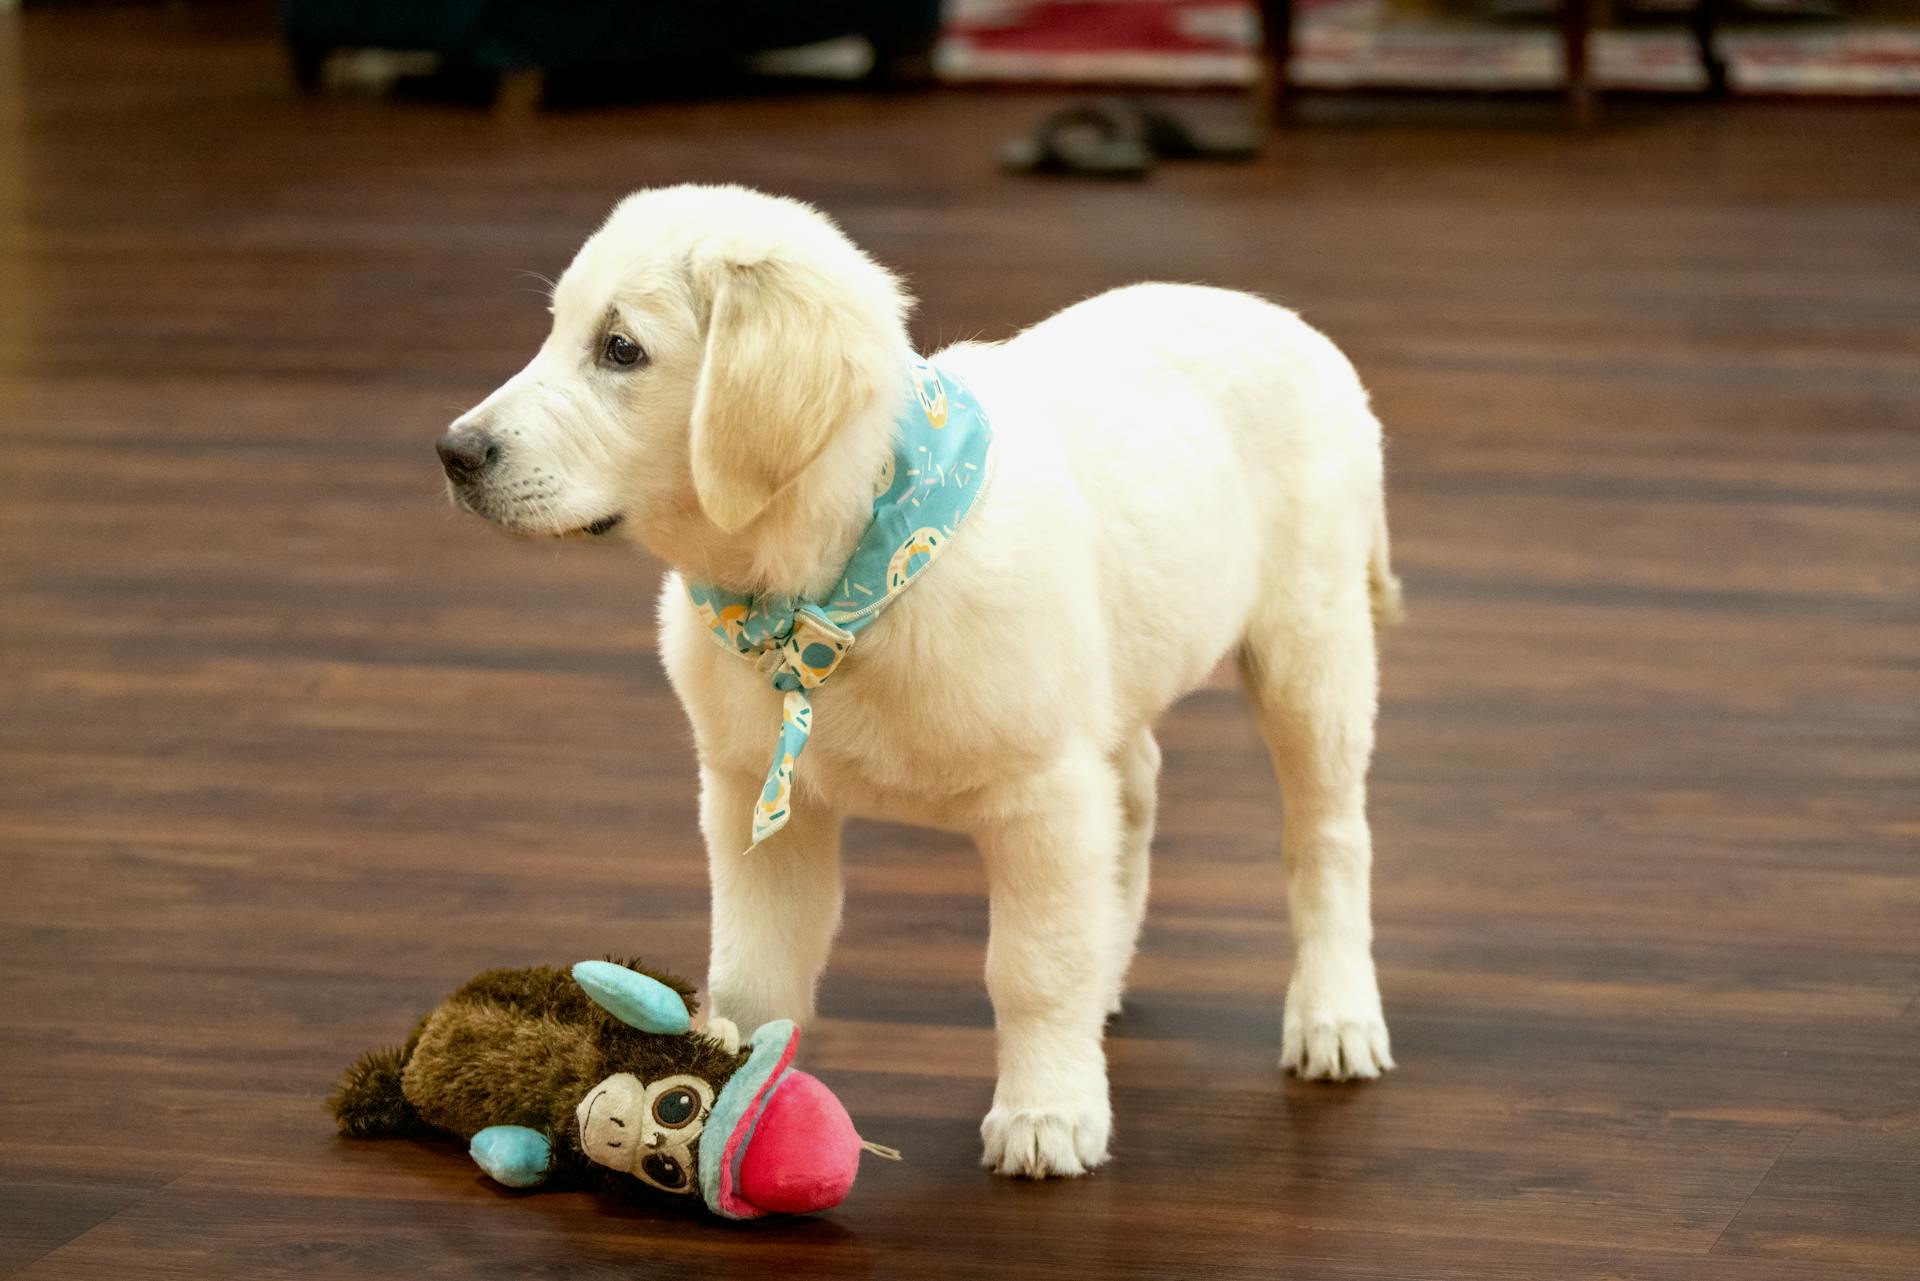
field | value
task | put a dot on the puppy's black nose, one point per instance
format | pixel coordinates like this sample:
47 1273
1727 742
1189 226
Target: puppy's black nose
466 453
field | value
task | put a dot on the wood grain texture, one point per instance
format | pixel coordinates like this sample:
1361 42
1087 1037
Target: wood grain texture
288 750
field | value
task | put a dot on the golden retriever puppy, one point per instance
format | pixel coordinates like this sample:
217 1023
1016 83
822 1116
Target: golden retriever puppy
1177 474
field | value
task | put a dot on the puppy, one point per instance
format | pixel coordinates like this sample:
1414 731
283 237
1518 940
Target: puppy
1181 473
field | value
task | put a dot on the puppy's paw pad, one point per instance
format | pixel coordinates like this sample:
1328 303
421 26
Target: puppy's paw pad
1325 1050
1033 1143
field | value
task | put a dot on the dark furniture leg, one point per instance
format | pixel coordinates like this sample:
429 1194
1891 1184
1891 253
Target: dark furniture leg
1576 24
1276 24
518 95
1706 21
309 63
904 61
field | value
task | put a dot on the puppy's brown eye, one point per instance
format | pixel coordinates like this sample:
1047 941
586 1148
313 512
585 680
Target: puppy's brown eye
622 350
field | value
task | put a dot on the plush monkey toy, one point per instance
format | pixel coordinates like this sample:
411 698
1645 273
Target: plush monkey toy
596 1078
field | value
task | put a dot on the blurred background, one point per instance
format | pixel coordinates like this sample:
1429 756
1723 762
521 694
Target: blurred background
288 749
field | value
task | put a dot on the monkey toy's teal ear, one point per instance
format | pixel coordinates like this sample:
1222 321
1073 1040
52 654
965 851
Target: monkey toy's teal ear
633 998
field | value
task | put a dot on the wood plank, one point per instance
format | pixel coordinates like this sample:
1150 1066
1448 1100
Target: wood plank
1840 1196
287 750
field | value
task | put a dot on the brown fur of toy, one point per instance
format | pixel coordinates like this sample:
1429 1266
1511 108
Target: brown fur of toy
517 1047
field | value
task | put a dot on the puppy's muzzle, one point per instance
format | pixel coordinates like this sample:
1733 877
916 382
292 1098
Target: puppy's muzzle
467 454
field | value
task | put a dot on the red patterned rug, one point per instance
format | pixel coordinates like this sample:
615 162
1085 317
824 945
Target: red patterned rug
1343 43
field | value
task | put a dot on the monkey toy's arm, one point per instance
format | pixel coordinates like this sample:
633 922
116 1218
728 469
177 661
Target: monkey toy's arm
513 1154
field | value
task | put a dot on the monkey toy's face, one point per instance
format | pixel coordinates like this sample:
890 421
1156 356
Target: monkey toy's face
649 1129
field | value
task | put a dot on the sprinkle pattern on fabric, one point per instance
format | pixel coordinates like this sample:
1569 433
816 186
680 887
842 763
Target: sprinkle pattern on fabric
941 455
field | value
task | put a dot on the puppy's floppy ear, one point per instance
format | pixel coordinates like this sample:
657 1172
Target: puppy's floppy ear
782 372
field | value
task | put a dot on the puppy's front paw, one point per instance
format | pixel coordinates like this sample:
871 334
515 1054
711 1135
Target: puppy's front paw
724 1031
1334 1029
1038 1143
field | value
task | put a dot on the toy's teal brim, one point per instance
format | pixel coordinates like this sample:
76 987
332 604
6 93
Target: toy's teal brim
730 1125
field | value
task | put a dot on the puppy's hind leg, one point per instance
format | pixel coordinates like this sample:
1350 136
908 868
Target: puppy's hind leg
1139 766
1312 678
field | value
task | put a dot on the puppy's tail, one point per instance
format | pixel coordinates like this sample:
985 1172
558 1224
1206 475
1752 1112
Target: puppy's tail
1383 585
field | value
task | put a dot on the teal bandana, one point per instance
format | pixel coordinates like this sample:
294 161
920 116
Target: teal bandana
939 464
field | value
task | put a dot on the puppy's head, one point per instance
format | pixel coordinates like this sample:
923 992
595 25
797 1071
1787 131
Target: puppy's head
709 345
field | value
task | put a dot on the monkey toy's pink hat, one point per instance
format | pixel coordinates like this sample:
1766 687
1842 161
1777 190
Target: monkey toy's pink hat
778 1141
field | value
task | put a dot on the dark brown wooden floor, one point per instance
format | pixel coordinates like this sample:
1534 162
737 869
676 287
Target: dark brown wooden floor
287 750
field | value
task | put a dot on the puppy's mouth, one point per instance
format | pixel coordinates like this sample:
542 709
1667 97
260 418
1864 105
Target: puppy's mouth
513 520
597 529
605 525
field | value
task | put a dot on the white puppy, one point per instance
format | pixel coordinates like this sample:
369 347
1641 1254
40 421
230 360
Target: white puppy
1182 473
